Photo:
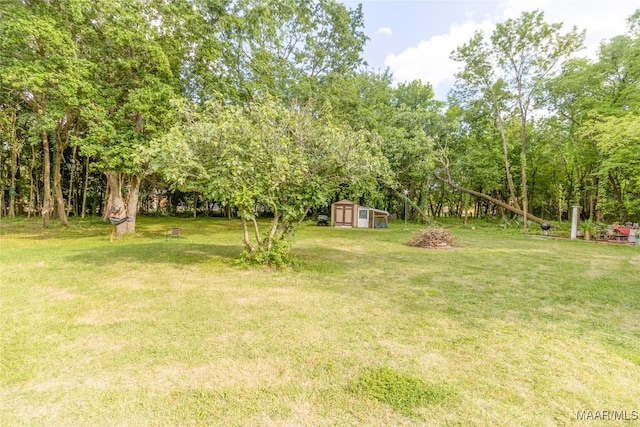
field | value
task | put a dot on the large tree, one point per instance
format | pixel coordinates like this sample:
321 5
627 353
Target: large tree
41 67
510 71
141 46
597 104
267 154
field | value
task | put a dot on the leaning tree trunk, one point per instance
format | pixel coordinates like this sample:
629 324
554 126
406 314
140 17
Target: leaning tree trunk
491 199
47 198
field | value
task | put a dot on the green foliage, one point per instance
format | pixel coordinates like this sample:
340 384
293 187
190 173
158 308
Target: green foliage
617 140
507 73
281 47
588 226
265 153
283 85
140 62
402 392
278 256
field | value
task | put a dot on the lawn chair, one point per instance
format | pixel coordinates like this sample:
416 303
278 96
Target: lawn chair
174 232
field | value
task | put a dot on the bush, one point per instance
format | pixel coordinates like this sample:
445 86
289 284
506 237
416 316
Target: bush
278 256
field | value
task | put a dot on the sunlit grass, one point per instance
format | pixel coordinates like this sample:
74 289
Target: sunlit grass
150 331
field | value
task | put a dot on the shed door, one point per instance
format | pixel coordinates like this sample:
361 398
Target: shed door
344 216
363 218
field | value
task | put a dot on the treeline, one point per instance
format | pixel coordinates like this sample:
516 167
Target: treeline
265 107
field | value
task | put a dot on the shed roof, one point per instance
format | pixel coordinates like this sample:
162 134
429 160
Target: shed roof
375 210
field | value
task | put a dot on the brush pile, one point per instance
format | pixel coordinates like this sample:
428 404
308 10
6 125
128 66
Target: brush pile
433 238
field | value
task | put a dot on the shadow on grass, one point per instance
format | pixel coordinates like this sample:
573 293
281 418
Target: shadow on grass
37 232
162 252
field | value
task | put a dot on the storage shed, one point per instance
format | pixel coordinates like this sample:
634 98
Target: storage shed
346 213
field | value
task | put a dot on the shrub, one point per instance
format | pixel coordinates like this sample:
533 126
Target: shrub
278 256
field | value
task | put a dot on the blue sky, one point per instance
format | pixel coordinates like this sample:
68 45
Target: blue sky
415 38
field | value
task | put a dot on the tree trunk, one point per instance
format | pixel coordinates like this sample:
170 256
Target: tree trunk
115 203
505 152
274 229
464 208
132 203
2 187
491 199
47 197
86 186
119 208
106 200
70 201
525 197
617 191
32 190
256 230
13 171
57 184
246 239
15 149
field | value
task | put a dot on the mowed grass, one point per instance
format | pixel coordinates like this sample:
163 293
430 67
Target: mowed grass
507 330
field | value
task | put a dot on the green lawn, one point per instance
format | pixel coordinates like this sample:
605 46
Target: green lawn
508 330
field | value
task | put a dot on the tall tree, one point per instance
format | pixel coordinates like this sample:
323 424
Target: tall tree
40 64
141 47
479 80
592 100
522 52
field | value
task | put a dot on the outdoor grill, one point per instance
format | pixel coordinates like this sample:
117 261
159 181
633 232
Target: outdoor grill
545 228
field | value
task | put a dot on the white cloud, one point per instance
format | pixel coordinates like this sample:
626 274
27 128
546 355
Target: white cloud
601 19
430 62
384 30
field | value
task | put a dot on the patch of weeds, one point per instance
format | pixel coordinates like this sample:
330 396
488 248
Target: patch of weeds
623 348
400 391
198 404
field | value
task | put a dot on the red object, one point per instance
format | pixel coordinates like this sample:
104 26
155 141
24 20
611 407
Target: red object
624 231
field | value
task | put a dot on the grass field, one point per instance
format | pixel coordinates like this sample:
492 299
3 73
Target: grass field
508 330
